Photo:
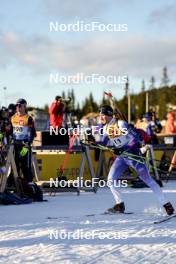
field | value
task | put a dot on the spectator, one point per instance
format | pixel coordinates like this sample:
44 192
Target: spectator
11 109
151 125
56 112
170 126
23 135
155 123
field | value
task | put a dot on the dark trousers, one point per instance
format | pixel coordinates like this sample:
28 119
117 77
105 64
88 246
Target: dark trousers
23 164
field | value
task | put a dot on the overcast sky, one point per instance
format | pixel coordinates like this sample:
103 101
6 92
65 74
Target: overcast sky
29 52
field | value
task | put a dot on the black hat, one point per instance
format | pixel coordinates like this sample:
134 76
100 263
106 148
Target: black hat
58 97
148 115
4 109
12 108
106 110
21 101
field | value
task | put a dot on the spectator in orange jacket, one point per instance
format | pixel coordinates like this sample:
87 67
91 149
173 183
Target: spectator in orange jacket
56 112
170 126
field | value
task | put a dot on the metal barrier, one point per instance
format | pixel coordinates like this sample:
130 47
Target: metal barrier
167 168
57 154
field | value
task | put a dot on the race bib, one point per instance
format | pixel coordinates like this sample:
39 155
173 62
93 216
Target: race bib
123 141
20 132
18 129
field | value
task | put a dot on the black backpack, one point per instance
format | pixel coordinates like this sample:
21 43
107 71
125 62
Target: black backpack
8 198
35 192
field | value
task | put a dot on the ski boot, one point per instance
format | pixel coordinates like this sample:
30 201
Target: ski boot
169 208
118 208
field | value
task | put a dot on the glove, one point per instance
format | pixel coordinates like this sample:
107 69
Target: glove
24 151
91 139
118 151
144 149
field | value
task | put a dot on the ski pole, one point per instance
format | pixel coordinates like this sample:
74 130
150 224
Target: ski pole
62 167
72 141
125 154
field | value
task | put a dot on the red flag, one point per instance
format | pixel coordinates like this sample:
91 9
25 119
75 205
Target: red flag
108 94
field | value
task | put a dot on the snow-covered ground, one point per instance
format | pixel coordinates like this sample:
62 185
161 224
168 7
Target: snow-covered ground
28 236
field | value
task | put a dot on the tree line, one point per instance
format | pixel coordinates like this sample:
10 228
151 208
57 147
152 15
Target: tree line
160 100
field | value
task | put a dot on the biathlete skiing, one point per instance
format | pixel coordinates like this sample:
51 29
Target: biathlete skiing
126 142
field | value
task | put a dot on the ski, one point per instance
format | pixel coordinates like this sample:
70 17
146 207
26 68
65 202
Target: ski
108 213
57 217
44 200
88 215
164 219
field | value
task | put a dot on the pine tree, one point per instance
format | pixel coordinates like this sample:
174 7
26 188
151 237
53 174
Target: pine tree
143 86
104 101
63 94
69 94
46 107
127 87
78 107
165 79
78 111
73 98
89 105
152 83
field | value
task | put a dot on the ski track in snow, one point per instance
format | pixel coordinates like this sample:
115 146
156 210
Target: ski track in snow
25 230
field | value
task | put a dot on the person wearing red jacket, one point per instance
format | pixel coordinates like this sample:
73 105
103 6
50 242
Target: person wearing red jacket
56 112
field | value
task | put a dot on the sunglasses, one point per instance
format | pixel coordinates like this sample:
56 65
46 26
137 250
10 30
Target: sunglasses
19 105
